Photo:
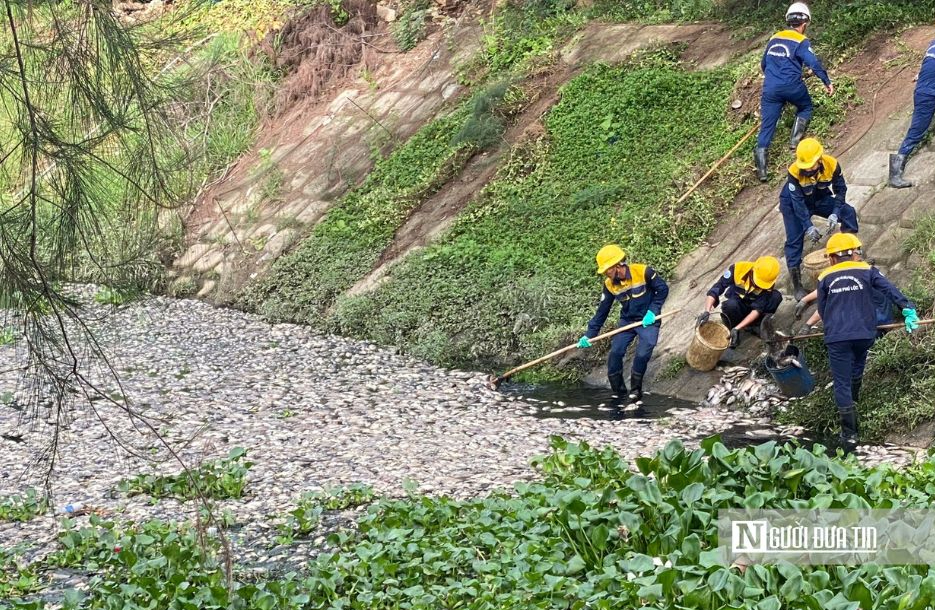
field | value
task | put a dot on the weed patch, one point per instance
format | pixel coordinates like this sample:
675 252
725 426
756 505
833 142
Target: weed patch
305 517
590 532
347 243
222 479
22 507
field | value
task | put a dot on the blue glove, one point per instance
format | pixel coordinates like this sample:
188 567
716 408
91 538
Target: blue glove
649 318
813 234
583 342
911 318
832 223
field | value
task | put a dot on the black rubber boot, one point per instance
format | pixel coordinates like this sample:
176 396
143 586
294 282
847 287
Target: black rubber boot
759 158
617 386
798 290
855 389
799 127
849 429
897 166
636 388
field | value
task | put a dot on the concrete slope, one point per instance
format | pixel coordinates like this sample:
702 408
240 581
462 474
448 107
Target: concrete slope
754 226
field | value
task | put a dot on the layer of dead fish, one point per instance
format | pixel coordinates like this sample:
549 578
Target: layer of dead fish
741 388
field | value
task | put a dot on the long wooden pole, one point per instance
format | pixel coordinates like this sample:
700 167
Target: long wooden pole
718 163
892 326
497 381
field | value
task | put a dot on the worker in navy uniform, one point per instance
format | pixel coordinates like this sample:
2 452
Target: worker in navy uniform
881 304
923 109
815 187
641 293
847 309
785 55
750 297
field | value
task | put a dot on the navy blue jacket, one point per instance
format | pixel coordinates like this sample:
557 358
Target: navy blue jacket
804 193
737 281
641 290
786 52
846 300
926 82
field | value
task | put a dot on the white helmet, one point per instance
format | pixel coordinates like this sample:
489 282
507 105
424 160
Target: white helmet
798 13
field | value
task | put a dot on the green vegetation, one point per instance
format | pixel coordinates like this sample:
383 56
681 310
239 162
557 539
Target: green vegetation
221 479
591 533
518 264
22 507
899 393
306 516
409 29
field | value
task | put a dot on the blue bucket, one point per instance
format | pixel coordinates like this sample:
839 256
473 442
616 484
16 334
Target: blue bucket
793 380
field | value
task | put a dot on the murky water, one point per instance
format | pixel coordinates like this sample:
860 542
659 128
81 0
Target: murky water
581 402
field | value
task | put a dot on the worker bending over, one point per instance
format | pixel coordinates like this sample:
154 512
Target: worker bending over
641 293
750 297
845 304
881 304
923 109
815 186
785 55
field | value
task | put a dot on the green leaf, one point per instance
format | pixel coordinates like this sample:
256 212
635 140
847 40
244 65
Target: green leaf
770 603
692 493
711 558
575 564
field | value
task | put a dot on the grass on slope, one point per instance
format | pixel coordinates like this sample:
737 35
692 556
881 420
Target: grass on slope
524 32
515 277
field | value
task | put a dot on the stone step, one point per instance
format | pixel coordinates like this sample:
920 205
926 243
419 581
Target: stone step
920 169
922 207
872 170
888 205
888 248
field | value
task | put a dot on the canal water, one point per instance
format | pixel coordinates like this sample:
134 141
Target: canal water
581 402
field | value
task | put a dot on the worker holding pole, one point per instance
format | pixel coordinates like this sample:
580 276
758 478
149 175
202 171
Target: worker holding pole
641 293
787 52
847 309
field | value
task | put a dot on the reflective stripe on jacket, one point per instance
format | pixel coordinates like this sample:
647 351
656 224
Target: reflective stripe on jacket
846 302
737 282
804 192
641 290
785 55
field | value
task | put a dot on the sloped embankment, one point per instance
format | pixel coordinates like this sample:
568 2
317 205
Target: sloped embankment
601 162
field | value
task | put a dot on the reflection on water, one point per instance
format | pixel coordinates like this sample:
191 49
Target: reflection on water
580 402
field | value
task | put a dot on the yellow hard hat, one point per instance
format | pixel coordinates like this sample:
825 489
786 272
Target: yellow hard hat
842 243
765 271
608 256
808 152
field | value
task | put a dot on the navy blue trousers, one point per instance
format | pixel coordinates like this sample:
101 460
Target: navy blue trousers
771 104
649 336
923 110
795 230
735 310
848 359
